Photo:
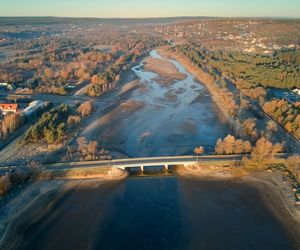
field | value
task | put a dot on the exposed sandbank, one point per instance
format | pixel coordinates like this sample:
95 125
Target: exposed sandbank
166 70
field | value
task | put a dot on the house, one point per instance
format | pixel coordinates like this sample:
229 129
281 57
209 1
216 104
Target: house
6 108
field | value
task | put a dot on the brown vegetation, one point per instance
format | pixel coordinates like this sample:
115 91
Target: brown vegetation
5 184
89 150
249 126
263 153
231 145
85 109
286 114
293 165
73 119
9 124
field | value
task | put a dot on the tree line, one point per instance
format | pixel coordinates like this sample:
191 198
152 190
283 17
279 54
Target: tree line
286 114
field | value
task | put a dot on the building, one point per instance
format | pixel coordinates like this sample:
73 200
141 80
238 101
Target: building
296 91
34 107
6 108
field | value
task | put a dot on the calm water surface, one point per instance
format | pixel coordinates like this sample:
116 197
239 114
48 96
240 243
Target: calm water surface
159 213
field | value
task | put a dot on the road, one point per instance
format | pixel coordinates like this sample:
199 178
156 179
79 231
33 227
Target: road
58 98
150 161
142 162
135 162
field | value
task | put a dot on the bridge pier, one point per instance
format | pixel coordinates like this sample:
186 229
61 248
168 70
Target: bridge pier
142 169
166 168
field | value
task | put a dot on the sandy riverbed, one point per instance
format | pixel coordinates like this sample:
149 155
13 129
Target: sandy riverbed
167 71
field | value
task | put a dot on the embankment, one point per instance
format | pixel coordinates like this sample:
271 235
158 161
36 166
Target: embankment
106 173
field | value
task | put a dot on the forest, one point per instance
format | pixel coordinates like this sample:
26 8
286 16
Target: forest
286 114
249 71
51 127
52 66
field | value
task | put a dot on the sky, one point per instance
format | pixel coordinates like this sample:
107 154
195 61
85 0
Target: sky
150 8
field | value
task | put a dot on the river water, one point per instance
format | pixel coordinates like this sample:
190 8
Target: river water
160 212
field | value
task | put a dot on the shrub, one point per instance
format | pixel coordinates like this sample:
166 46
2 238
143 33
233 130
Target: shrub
5 184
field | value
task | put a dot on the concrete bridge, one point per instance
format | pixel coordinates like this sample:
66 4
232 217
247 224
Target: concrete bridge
164 161
144 162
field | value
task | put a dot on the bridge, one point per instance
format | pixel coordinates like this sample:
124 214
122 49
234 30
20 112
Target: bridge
163 161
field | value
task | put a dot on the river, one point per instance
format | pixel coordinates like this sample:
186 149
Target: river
174 119
160 212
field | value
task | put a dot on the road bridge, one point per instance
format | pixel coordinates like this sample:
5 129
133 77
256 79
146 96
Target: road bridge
163 161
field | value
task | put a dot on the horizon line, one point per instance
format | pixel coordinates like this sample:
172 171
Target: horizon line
156 17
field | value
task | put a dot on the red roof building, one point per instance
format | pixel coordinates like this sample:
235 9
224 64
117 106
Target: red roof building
8 108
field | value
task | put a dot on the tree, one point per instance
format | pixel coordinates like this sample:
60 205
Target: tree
10 124
95 79
73 119
230 145
293 165
82 145
264 152
60 131
249 126
92 148
247 147
48 73
271 126
85 109
49 136
219 149
198 151
64 74
5 184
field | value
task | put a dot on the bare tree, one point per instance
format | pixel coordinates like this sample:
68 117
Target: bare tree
85 109
92 148
82 146
5 184
73 119
264 152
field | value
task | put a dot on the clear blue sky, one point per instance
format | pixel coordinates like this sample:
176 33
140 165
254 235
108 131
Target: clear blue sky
150 8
